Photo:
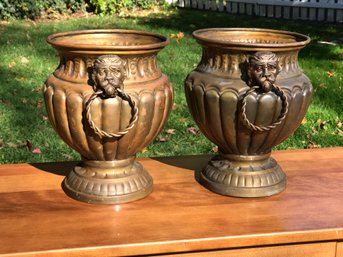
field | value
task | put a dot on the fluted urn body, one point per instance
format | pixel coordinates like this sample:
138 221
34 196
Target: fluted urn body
247 95
108 99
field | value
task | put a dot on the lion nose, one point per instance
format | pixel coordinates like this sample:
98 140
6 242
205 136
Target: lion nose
109 75
267 73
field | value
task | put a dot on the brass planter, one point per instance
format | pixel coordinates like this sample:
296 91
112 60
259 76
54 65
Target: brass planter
247 95
108 99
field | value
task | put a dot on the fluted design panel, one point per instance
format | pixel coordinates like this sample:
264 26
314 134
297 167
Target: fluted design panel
228 64
216 108
66 106
75 68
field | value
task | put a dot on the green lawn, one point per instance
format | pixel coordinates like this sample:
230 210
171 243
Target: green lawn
27 60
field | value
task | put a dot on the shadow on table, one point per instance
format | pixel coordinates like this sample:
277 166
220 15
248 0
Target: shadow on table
193 163
57 168
190 162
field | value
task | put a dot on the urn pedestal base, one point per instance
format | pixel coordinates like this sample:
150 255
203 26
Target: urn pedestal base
108 182
243 176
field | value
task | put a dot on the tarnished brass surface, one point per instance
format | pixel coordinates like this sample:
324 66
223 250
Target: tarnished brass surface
247 95
108 99
108 76
108 182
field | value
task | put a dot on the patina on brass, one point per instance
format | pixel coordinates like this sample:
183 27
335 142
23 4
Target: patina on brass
108 75
247 95
108 99
263 67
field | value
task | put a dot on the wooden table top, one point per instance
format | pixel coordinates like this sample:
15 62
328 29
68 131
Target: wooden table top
37 218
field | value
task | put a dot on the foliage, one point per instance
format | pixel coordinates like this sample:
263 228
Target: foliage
104 7
18 9
31 9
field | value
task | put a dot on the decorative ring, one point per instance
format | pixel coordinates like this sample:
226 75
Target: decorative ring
280 93
102 133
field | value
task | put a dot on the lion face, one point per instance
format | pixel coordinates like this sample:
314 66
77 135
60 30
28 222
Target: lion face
263 69
109 74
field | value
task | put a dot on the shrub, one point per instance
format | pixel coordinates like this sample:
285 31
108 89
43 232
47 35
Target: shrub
31 9
115 6
18 9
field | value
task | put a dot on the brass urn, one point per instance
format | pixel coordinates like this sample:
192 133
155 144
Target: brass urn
247 95
108 99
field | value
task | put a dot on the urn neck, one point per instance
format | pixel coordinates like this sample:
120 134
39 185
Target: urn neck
226 51
78 68
233 63
79 49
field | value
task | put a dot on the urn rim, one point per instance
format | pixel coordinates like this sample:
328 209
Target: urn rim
103 40
251 38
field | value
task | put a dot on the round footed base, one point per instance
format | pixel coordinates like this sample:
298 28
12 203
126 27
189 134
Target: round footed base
243 176
108 182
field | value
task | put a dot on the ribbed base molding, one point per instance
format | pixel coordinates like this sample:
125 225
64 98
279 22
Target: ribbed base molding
108 182
243 176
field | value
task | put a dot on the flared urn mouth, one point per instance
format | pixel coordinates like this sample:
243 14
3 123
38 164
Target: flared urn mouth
119 41
251 39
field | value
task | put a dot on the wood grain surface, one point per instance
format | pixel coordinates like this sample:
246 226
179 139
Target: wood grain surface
38 219
302 250
339 252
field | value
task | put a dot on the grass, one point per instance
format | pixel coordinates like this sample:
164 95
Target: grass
27 60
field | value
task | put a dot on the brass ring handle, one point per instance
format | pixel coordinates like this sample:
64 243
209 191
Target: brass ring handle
108 76
280 93
102 133
263 68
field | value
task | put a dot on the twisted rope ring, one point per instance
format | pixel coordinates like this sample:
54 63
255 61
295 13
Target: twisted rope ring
280 93
102 133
